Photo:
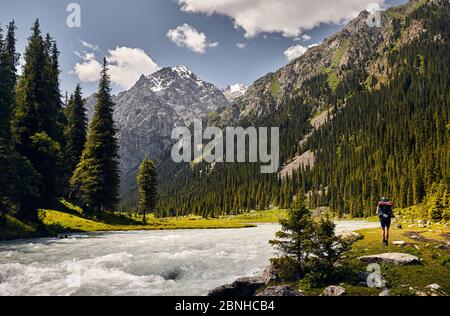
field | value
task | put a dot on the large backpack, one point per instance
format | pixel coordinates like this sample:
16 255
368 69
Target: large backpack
386 209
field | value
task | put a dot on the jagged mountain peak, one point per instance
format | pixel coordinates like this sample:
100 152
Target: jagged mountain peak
182 71
146 114
232 92
169 77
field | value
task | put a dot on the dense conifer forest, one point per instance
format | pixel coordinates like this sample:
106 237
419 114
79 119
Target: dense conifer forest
46 152
381 139
389 141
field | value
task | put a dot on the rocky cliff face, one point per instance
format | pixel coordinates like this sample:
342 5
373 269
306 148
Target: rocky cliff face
146 114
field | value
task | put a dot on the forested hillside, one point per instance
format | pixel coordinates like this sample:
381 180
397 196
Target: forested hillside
386 135
391 141
46 152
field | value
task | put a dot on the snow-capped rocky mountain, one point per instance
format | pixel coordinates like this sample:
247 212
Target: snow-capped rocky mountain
146 114
235 91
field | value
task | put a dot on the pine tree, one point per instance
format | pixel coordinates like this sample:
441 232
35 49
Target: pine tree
57 118
147 184
8 64
76 129
8 175
296 237
31 93
96 178
35 122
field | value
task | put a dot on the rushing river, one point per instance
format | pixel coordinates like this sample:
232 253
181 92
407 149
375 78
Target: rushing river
184 262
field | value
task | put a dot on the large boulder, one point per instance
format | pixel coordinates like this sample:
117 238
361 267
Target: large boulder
435 290
270 274
391 258
282 290
242 287
334 291
350 236
223 291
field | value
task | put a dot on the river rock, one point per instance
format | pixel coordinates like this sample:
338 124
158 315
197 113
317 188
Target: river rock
351 236
334 291
434 286
282 290
391 258
243 287
385 292
435 290
270 274
225 290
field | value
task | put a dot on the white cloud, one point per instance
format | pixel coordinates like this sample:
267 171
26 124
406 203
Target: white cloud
187 36
89 69
306 37
303 38
126 65
90 46
294 52
289 17
241 45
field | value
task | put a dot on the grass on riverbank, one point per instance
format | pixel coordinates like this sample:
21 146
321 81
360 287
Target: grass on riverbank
73 220
431 249
70 219
116 222
15 229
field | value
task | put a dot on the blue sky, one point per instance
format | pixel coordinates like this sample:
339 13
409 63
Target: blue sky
204 35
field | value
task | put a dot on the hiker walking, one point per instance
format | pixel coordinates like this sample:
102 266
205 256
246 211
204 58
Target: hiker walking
384 211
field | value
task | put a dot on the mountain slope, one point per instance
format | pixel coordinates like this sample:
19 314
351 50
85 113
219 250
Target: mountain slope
403 66
146 114
337 56
234 92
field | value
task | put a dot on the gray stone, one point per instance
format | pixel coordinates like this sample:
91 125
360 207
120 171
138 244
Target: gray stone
434 286
225 290
351 236
399 243
391 258
270 274
243 287
385 292
334 291
282 290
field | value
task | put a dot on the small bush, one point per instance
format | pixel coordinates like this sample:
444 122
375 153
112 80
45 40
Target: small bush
286 268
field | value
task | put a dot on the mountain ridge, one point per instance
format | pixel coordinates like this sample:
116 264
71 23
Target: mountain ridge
146 114
326 79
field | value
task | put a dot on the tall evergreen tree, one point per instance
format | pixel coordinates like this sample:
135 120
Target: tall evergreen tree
96 179
56 117
147 185
35 122
76 129
8 63
31 92
8 158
